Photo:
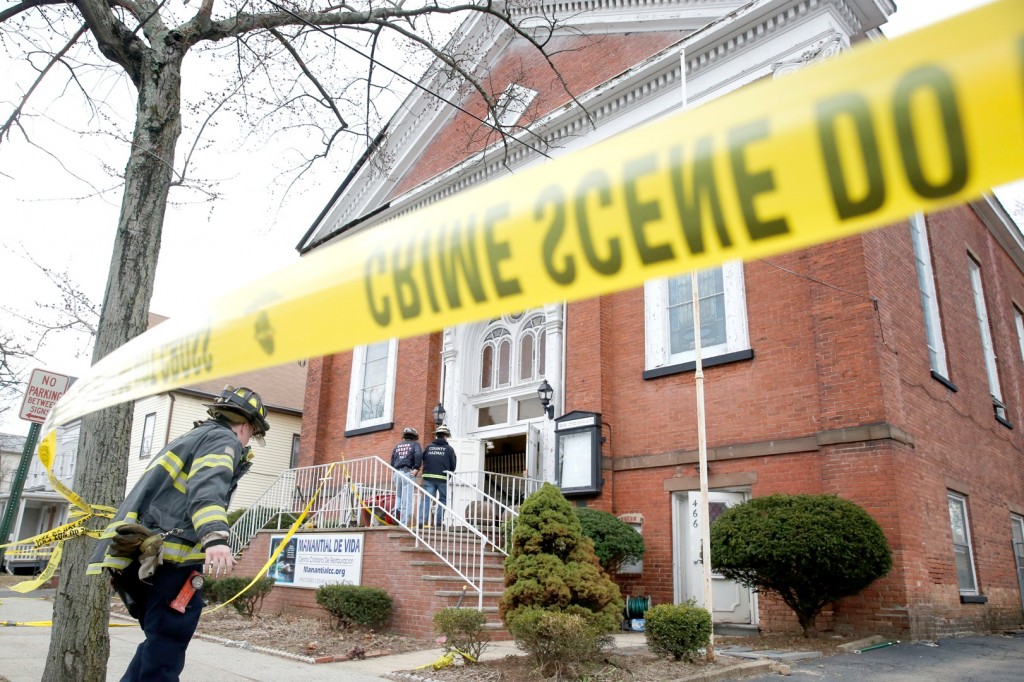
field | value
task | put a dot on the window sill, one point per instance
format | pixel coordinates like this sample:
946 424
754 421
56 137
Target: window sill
682 367
973 599
1004 422
370 429
944 381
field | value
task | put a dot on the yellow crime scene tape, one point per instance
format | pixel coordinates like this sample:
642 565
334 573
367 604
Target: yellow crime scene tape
928 120
281 545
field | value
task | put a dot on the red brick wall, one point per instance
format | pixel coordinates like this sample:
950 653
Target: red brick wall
583 61
387 564
327 393
838 340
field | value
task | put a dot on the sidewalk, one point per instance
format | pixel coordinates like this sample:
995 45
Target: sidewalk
24 649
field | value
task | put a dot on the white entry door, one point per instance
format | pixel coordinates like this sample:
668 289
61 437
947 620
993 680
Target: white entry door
731 601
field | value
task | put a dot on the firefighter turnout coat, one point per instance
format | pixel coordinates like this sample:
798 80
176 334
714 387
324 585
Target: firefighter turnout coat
184 493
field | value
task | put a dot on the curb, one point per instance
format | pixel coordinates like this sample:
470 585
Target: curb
732 672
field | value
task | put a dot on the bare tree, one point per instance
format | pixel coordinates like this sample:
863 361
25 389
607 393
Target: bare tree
12 357
278 66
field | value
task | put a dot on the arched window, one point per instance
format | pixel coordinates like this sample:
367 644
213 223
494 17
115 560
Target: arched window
531 349
512 336
496 359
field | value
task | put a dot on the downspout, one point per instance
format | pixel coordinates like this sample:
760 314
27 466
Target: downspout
170 413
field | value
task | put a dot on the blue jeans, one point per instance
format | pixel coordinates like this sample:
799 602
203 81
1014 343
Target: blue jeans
403 496
432 485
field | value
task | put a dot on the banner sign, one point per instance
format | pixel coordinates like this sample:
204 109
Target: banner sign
315 559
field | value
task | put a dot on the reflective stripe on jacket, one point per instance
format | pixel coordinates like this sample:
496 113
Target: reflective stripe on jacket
184 492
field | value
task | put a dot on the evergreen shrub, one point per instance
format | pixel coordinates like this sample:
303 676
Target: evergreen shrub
560 643
615 541
552 566
219 590
679 630
810 550
355 605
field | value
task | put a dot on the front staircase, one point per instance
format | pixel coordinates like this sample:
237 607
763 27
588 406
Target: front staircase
450 590
457 565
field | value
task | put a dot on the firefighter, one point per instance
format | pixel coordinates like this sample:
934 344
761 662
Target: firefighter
172 530
438 460
407 459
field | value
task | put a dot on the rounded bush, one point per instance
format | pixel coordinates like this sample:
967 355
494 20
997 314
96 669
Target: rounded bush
219 590
679 630
615 541
463 630
810 550
561 643
355 605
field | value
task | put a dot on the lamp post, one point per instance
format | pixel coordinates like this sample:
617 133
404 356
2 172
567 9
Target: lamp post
545 393
439 414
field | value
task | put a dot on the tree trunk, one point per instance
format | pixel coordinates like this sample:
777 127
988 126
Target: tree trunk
79 644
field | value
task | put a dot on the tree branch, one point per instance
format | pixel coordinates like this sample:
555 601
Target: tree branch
328 100
5 131
27 5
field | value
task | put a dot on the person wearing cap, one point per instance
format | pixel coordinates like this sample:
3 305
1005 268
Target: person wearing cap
181 501
438 459
406 459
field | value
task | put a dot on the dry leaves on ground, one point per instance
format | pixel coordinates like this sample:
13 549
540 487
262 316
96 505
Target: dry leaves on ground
631 664
302 636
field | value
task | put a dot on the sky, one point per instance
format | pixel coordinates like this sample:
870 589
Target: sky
246 234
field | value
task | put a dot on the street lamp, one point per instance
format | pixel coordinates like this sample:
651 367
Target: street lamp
439 414
545 393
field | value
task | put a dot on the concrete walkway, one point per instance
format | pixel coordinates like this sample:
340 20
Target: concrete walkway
23 653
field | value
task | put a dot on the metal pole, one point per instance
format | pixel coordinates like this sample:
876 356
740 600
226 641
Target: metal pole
702 439
16 485
702 450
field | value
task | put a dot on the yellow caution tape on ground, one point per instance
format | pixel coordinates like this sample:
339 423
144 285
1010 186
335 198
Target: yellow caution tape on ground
49 624
922 122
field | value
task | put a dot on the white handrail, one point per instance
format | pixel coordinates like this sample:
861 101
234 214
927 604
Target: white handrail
494 516
361 493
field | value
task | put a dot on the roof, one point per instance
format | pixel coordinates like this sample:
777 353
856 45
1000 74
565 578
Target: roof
282 387
11 443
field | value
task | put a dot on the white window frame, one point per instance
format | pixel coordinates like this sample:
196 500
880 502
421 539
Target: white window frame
929 296
988 349
355 391
148 424
657 332
513 103
960 501
1018 318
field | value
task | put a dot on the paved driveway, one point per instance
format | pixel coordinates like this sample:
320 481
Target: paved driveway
993 658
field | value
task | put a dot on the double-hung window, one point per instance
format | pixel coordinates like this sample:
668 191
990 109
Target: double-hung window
962 551
987 347
372 388
668 311
929 298
148 426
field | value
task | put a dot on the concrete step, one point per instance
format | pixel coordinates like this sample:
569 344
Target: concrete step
406 547
456 579
488 594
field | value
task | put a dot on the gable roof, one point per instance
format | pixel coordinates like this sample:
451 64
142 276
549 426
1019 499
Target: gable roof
601 45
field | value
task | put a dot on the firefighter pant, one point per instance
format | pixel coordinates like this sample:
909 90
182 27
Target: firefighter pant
161 656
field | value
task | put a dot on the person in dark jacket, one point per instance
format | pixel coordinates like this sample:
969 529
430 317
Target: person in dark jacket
407 459
180 507
438 458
